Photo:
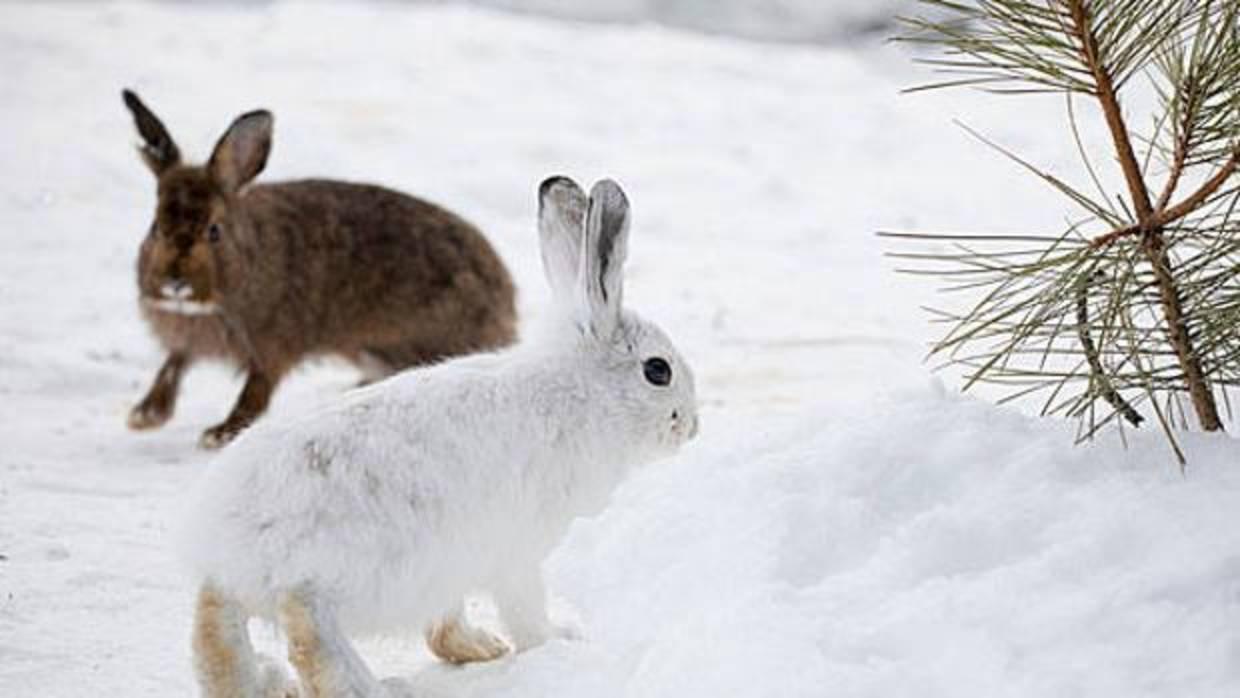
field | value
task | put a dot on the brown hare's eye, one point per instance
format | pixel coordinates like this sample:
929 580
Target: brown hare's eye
657 370
213 232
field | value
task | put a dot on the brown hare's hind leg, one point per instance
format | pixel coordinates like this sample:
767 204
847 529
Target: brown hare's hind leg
419 350
372 366
402 356
326 664
377 363
224 660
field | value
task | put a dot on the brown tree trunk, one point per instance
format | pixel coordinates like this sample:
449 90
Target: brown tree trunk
1153 243
1177 330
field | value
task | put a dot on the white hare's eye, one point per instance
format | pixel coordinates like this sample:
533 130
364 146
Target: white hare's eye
657 370
213 232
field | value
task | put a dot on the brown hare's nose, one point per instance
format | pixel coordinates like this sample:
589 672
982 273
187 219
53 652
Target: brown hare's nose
176 290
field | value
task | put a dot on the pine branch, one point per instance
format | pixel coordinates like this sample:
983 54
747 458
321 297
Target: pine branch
1092 356
1165 217
1153 244
1104 89
1100 329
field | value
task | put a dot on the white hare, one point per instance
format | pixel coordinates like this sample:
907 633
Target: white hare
383 511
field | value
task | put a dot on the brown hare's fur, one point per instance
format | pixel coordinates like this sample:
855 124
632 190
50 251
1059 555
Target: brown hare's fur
267 275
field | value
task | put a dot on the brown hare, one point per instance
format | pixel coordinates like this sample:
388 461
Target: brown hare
266 275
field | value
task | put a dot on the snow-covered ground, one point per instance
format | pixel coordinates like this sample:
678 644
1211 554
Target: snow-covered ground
843 526
810 21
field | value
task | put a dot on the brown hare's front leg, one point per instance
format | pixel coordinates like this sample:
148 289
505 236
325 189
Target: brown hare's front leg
326 664
156 408
250 406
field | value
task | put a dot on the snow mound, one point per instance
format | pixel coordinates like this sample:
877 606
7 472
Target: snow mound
922 545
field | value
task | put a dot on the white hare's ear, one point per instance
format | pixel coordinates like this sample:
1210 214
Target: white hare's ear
561 225
604 250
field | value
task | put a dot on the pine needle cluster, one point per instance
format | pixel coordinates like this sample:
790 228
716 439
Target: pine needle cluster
1132 310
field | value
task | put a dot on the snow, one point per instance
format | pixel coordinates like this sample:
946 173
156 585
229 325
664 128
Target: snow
842 526
770 20
843 561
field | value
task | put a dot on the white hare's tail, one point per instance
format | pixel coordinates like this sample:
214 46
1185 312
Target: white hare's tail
224 660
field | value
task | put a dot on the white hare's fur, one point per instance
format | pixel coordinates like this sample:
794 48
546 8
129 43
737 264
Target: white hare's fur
382 511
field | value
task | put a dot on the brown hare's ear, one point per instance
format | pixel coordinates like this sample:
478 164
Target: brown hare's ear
604 249
242 151
158 150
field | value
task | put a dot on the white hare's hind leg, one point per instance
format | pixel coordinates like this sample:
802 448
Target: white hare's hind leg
223 657
326 663
455 641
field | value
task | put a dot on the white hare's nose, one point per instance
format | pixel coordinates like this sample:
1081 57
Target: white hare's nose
685 425
176 290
